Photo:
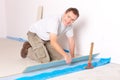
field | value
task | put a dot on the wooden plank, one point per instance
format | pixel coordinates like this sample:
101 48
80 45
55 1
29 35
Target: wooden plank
56 63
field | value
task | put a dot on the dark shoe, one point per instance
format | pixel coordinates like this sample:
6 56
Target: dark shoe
24 49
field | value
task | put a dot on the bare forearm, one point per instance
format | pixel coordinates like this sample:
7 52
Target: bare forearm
72 51
71 46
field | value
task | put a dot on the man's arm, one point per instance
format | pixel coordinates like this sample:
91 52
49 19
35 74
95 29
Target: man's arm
54 43
71 46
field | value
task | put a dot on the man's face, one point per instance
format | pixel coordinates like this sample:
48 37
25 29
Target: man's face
69 18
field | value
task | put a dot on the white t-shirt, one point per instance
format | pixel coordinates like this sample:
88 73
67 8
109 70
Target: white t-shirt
51 25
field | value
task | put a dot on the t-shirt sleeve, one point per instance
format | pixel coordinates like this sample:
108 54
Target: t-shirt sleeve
52 27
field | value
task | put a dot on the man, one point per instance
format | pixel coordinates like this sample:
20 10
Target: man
43 36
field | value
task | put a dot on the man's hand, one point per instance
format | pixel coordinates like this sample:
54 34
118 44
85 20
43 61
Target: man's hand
68 58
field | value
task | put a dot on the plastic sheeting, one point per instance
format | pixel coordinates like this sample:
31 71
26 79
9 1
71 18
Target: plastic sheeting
66 70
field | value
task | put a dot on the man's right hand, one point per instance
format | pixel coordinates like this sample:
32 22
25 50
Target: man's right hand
68 58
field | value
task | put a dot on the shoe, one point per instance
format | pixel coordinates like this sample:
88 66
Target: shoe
24 50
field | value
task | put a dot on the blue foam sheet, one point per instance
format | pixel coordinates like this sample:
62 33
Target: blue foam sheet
16 39
57 63
55 73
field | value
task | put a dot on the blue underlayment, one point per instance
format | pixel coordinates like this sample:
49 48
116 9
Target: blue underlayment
55 73
16 39
23 40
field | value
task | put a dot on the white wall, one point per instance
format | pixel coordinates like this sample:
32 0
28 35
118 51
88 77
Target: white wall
98 22
2 19
20 14
109 21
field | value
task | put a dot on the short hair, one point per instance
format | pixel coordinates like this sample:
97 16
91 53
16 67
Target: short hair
74 10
